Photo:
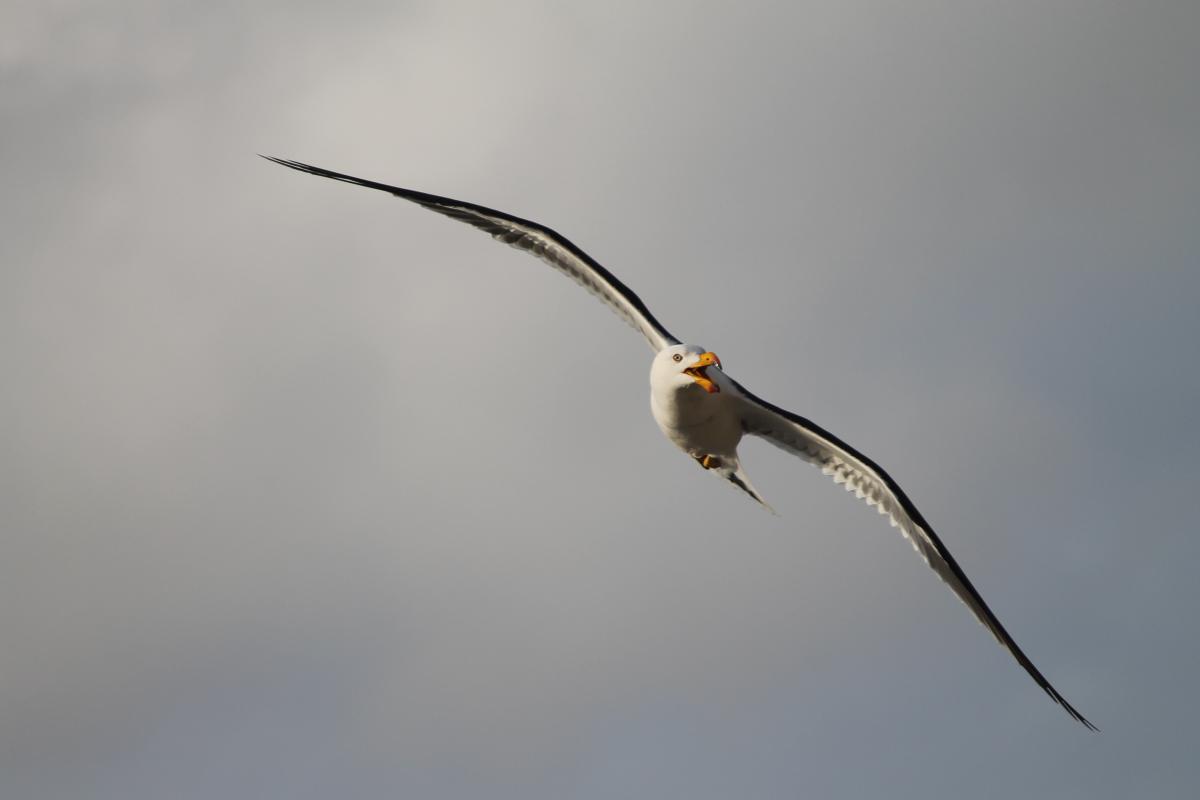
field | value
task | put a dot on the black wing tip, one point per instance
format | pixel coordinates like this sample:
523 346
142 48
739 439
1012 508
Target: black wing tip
309 168
283 162
422 198
1070 709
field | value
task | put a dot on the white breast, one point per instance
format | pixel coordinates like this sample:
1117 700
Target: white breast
697 422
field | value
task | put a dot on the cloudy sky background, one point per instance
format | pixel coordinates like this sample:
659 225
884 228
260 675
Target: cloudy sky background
306 492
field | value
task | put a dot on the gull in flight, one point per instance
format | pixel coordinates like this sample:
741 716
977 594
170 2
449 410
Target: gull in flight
706 413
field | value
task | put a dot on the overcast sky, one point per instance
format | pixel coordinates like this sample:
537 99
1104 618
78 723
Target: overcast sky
306 492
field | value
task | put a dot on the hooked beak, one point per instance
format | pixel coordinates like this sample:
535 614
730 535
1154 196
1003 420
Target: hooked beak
697 372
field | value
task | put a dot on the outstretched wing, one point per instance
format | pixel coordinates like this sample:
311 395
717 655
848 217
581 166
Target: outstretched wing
869 482
551 247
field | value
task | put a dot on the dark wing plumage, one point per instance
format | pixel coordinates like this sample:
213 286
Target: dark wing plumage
538 240
871 483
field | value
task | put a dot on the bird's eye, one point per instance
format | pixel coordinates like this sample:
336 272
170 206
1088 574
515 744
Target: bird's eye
677 357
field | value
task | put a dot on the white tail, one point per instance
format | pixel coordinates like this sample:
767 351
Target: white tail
734 473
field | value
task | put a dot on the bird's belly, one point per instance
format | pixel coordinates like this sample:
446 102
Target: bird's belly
716 431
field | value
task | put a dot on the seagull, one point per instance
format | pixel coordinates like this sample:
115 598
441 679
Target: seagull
706 413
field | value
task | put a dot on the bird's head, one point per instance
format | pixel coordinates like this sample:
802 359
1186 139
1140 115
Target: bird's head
686 365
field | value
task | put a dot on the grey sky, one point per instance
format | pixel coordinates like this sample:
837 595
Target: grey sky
307 492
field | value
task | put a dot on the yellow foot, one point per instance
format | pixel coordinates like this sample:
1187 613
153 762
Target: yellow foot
710 462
